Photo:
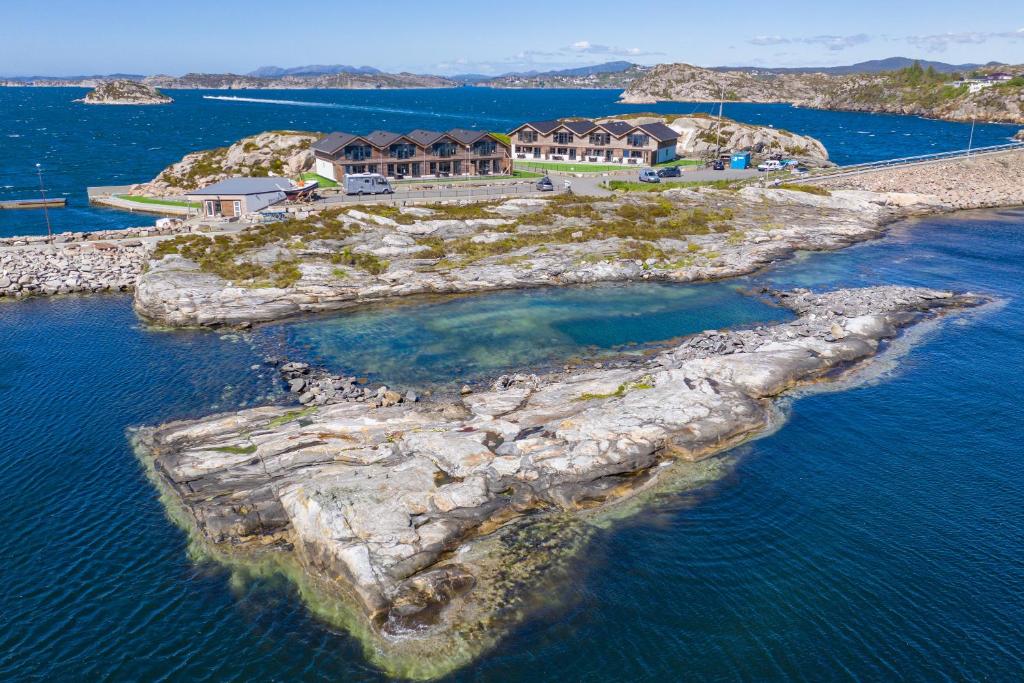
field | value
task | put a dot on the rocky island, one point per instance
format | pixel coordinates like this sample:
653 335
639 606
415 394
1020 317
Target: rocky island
431 528
125 92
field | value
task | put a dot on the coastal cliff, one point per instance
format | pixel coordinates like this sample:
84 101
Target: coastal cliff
433 527
125 92
912 90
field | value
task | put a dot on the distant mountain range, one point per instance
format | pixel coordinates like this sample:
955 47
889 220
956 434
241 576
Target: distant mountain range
617 74
312 70
872 66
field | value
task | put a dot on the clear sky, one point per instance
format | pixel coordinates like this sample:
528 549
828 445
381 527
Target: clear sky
75 37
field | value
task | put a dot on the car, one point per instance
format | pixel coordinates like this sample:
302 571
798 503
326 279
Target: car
770 165
649 175
669 172
718 165
545 185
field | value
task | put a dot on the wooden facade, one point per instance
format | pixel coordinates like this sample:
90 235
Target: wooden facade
582 141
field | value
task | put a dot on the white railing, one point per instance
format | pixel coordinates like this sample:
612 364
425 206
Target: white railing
908 161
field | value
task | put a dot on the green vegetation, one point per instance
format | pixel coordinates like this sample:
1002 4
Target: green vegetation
639 223
645 382
223 255
290 416
809 189
236 450
322 180
369 263
139 199
501 137
584 167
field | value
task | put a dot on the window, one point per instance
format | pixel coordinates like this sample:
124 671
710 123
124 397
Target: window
527 136
358 152
238 208
600 138
563 138
444 149
485 148
638 140
402 150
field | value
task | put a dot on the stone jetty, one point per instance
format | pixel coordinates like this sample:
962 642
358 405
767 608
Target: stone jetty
90 267
408 512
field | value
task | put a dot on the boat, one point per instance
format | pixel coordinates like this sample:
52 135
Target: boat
301 191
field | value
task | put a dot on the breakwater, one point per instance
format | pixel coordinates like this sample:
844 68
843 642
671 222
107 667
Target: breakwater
986 181
92 267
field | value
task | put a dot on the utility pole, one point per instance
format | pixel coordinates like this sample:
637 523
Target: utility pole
46 211
718 130
970 140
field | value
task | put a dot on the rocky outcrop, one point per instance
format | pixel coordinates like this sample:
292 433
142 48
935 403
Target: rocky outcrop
688 83
410 513
339 81
283 153
700 135
72 268
719 234
988 180
911 91
125 92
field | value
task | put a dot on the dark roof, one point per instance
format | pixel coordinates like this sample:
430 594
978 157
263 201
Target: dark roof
332 143
466 136
543 127
617 128
659 131
381 138
245 186
580 127
423 137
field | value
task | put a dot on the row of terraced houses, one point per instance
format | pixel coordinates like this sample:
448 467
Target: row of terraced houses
462 152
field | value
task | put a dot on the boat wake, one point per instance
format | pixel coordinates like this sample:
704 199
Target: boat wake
352 107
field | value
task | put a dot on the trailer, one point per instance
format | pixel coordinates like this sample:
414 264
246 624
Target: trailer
367 183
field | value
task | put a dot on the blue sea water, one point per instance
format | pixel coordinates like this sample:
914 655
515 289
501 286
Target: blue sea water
878 535
81 146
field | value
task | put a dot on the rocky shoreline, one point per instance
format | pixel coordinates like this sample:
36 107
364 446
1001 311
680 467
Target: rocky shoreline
88 268
404 512
573 240
124 92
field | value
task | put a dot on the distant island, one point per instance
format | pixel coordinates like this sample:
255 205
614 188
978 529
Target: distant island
125 92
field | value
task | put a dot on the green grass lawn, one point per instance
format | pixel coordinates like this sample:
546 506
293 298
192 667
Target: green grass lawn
578 167
139 199
469 179
324 182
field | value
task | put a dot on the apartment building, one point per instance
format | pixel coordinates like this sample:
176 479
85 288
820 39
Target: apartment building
583 141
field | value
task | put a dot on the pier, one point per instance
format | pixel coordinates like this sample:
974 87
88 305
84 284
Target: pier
33 203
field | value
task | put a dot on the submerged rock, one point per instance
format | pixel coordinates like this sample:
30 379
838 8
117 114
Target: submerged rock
405 509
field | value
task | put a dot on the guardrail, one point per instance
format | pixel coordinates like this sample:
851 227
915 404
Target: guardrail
856 169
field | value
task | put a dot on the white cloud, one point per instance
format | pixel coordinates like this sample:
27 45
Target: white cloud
831 42
585 47
940 42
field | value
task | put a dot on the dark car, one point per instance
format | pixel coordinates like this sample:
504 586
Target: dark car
545 185
669 172
718 165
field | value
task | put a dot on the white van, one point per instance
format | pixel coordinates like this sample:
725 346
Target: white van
367 183
770 165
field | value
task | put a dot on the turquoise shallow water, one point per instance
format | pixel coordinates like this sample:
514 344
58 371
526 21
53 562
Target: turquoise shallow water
878 535
476 337
80 145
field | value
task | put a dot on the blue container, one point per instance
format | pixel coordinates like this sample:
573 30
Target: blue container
740 160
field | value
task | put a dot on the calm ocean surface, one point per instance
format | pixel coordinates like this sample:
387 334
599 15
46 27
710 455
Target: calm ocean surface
80 146
879 535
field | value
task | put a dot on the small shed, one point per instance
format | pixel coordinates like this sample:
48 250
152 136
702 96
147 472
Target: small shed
237 196
739 160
